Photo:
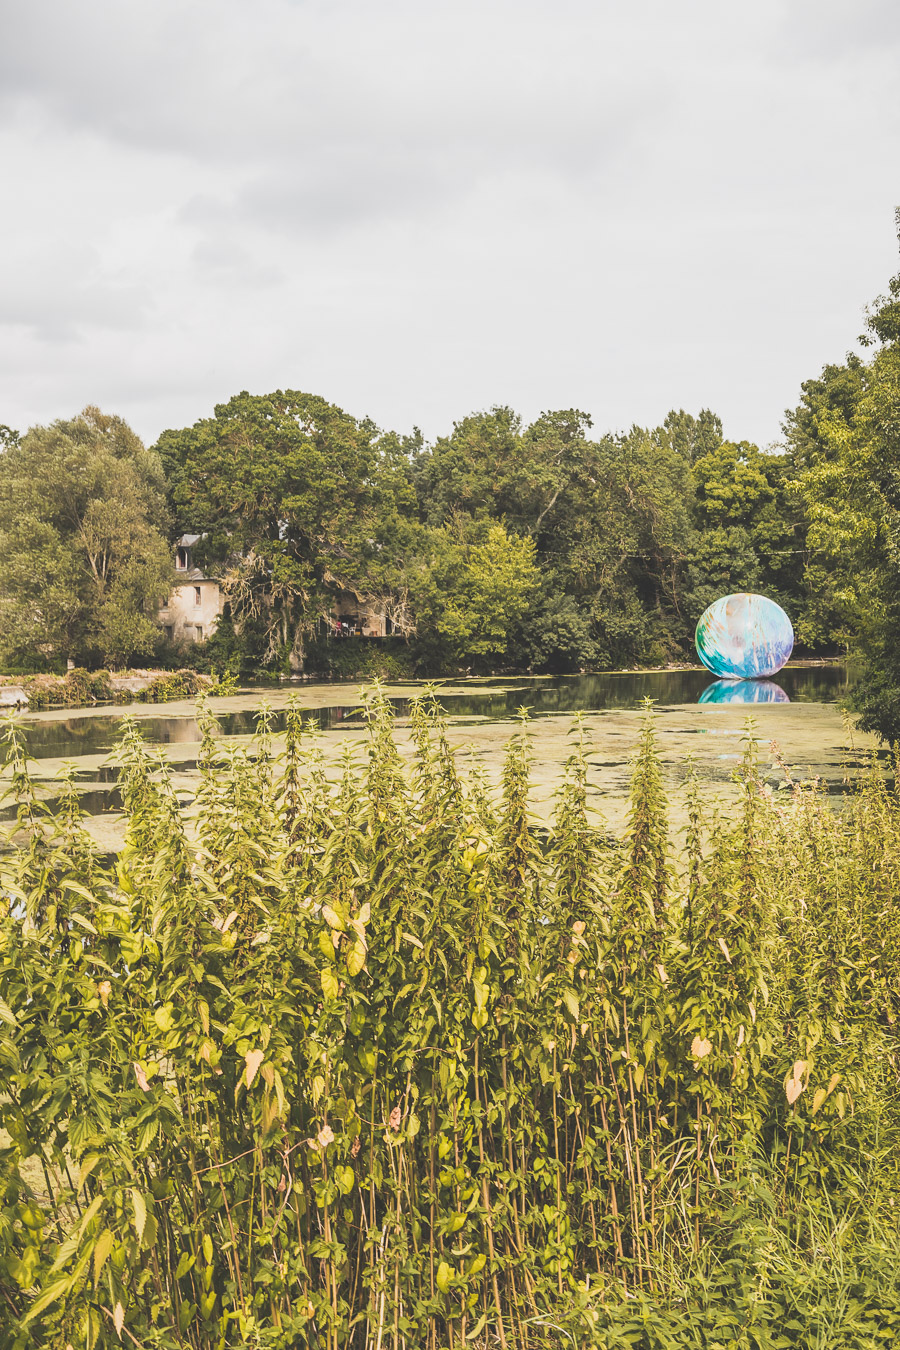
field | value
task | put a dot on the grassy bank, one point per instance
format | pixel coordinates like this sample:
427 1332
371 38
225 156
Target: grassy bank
370 1064
84 688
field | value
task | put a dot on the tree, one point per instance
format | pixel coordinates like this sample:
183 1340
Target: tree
849 478
282 487
473 587
493 467
748 531
831 400
82 535
691 436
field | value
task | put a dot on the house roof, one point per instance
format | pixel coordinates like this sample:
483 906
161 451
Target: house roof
184 575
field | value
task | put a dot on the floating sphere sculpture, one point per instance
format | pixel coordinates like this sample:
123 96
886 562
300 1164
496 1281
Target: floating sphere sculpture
744 637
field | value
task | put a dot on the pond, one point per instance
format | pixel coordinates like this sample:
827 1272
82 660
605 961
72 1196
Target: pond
800 709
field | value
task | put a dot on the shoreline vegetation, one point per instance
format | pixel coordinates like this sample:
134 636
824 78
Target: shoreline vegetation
84 689
366 1062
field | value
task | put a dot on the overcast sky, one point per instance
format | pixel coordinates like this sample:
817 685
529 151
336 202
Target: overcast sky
417 209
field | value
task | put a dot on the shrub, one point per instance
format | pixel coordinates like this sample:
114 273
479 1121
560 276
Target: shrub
75 689
167 688
363 659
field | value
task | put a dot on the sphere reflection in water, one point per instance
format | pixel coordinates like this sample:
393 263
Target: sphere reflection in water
743 691
745 636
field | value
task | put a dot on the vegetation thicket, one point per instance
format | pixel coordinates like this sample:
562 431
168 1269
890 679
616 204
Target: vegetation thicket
370 1063
502 544
845 436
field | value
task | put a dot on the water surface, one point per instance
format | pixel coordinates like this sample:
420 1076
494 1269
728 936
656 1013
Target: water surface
800 709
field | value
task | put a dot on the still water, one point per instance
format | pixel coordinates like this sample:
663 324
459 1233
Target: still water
803 700
94 731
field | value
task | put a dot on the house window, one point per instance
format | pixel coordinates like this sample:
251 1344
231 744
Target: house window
196 595
170 631
199 631
181 559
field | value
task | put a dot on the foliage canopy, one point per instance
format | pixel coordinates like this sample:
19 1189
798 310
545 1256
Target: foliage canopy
83 526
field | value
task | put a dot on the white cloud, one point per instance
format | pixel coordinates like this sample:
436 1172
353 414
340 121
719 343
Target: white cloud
416 210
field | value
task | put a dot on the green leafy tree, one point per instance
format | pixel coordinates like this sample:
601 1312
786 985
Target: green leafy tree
748 529
472 592
621 536
824 420
692 437
847 448
279 484
493 467
826 403
82 534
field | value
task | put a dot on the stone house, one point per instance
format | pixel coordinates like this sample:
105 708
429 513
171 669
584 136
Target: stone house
195 603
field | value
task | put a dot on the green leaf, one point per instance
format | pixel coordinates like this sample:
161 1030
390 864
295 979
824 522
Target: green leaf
79 918
46 1297
88 1163
252 1061
89 1213
330 987
185 1263
102 1248
140 1213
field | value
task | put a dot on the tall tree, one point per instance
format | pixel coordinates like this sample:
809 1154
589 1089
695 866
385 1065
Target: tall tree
692 436
82 536
849 477
748 531
475 585
282 487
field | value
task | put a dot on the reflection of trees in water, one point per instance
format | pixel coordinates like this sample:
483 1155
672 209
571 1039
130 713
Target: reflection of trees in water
73 736
815 684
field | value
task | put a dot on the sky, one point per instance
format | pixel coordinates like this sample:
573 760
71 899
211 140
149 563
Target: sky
419 208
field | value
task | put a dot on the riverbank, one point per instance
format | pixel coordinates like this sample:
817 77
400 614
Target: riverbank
85 689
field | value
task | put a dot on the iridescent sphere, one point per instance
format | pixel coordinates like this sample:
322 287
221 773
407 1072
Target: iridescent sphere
744 637
743 691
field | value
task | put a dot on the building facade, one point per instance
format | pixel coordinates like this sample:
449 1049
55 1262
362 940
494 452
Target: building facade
192 610
194 606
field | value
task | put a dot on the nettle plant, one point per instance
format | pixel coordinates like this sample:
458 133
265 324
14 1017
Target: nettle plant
372 1062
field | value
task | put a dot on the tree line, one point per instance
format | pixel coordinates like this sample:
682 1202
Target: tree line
503 543
500 545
